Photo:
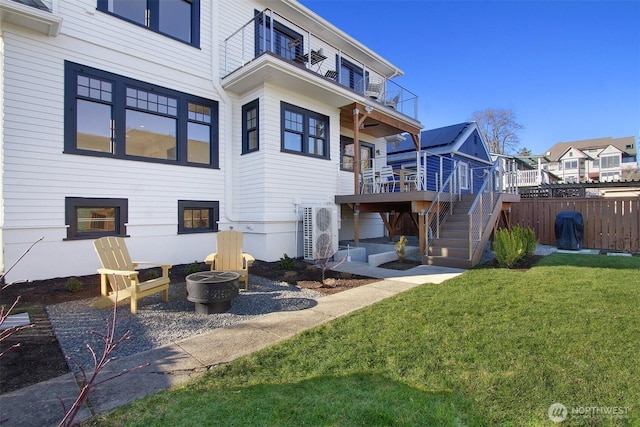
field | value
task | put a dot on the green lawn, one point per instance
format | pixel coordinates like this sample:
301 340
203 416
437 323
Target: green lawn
490 347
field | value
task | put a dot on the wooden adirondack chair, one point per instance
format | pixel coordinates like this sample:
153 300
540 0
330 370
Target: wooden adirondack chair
230 256
119 271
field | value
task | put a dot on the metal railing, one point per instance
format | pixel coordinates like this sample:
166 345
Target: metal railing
442 206
294 43
482 207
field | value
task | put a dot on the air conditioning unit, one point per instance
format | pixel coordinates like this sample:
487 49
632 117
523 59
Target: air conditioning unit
320 232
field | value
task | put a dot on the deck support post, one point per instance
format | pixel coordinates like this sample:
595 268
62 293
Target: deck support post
422 227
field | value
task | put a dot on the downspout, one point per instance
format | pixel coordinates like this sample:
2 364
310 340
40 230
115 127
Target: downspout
225 166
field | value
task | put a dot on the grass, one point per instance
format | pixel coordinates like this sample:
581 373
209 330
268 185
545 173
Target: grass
490 347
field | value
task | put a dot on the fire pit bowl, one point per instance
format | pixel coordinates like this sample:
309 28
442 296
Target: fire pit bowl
212 291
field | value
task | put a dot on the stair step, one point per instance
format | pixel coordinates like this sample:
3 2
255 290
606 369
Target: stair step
448 262
454 233
449 252
450 242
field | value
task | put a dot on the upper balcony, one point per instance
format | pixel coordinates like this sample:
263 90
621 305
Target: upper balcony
272 48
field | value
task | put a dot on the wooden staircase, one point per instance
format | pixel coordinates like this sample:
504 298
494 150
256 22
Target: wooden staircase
451 247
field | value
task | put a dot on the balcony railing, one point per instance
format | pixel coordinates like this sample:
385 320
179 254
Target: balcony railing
273 33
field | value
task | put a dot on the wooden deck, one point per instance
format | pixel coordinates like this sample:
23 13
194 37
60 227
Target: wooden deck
393 206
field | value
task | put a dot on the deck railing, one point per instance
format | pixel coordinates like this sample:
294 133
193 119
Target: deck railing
294 43
480 211
442 206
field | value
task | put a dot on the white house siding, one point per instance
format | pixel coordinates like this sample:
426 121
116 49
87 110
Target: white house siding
260 193
37 176
270 186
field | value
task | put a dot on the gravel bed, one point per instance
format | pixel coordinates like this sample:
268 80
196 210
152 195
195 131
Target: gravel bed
77 325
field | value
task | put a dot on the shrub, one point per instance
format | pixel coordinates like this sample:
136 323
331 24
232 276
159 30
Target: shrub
151 274
286 263
194 267
530 241
400 245
73 284
511 245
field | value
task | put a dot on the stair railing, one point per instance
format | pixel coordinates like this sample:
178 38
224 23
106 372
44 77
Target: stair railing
442 206
482 207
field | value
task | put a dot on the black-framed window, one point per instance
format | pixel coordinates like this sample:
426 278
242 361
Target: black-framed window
349 73
347 154
286 42
114 116
178 19
90 218
197 216
304 131
250 127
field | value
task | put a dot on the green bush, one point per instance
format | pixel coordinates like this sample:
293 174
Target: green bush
286 263
152 274
400 245
73 284
194 267
512 245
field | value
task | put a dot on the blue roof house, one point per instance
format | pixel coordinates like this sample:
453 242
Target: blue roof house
458 147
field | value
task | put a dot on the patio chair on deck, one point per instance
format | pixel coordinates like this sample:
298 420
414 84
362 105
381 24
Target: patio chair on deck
369 184
119 271
229 256
387 179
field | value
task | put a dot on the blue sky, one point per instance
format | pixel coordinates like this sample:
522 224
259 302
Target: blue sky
570 70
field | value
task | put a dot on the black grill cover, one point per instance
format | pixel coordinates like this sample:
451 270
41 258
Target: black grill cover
569 230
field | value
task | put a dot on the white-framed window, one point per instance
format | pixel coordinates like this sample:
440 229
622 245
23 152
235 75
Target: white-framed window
608 162
463 175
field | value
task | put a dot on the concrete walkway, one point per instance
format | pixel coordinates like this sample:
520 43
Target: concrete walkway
174 364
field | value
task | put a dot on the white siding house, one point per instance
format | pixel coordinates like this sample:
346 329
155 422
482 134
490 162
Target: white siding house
120 121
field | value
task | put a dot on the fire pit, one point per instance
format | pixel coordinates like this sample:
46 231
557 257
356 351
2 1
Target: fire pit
212 291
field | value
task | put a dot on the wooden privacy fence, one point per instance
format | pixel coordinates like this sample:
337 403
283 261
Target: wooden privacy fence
609 223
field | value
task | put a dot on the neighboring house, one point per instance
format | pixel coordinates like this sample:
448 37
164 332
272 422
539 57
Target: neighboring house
592 160
164 121
440 150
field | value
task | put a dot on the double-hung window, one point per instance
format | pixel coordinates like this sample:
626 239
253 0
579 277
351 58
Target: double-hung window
250 130
178 19
115 116
304 131
463 175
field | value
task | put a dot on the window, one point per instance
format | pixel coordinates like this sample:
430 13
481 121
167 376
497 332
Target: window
571 164
463 175
90 218
178 19
114 116
304 131
350 74
596 163
347 154
610 176
197 216
250 123
286 42
610 162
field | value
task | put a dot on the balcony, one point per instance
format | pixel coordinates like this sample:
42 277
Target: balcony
272 48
